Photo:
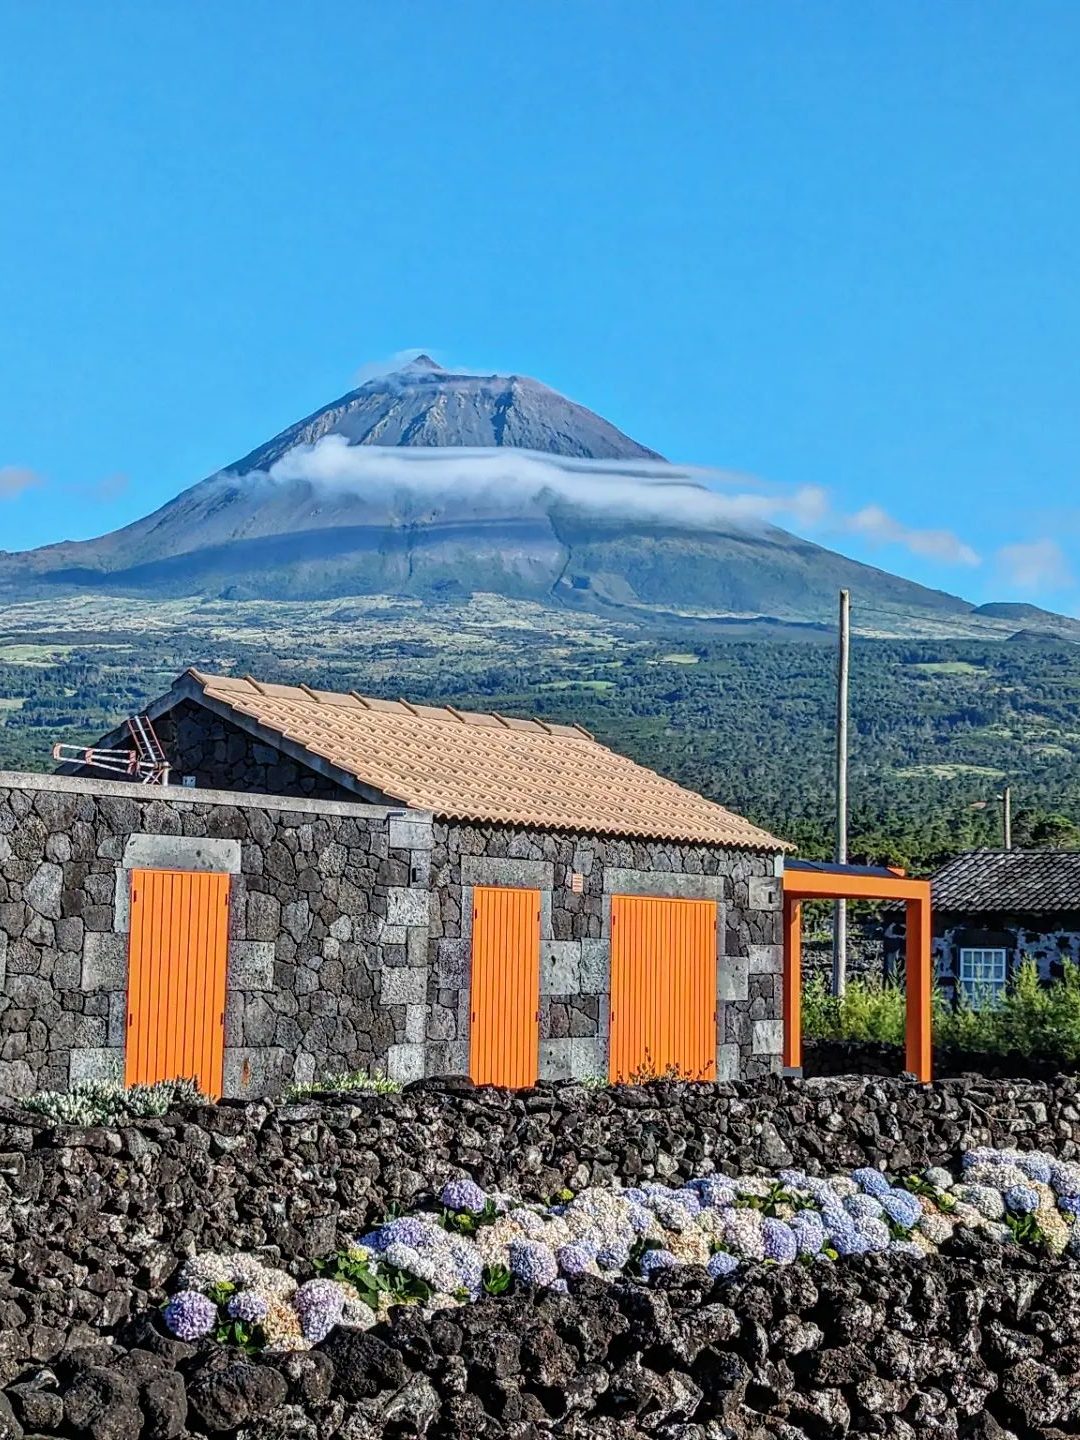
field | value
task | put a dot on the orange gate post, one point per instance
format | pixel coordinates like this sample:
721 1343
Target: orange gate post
792 983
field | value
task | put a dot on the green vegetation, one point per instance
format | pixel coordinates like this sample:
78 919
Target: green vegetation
341 1084
103 1104
1030 1019
937 726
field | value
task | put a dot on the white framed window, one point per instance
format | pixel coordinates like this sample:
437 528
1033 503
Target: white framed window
982 976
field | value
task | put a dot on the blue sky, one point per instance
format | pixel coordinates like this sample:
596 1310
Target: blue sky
832 245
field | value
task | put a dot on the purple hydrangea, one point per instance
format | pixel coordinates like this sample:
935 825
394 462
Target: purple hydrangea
779 1241
407 1230
793 1179
902 1208
715 1193
848 1242
721 1265
1069 1204
875 1233
612 1257
688 1198
636 1195
532 1262
462 1195
809 1232
190 1315
1021 1200
640 1219
318 1305
574 1259
248 1306
654 1260
871 1181
864 1206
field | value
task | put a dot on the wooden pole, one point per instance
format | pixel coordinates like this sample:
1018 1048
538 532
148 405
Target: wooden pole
839 969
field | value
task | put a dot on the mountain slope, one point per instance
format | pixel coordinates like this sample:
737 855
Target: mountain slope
437 483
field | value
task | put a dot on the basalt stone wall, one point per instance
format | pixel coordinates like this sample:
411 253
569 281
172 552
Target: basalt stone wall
323 924
577 876
871 1057
93 1222
973 1345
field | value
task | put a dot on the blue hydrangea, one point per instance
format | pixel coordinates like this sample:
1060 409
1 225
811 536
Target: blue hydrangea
1036 1167
688 1198
1069 1204
902 1208
875 1233
574 1259
612 1257
793 1179
779 1241
905 1247
640 1219
190 1315
870 1181
721 1265
636 1195
809 1232
715 1193
532 1262
559 1287
248 1306
864 1207
1021 1200
463 1195
848 1242
407 1230
654 1260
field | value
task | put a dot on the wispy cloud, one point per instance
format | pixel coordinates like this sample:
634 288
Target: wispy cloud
880 528
1036 566
16 479
108 489
375 369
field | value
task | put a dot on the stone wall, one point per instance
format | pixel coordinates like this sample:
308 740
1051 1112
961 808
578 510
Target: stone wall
321 927
1052 942
577 877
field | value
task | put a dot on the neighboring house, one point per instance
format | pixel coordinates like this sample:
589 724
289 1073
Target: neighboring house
335 881
994 909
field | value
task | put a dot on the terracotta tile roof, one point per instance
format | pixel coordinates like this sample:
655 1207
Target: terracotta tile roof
464 765
1009 882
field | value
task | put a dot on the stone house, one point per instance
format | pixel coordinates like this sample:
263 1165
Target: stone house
340 882
992 910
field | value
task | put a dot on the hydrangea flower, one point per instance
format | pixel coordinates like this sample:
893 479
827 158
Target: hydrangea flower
809 1232
463 1195
983 1198
778 1241
849 1242
715 1193
248 1306
318 1305
1021 1200
1036 1166
1069 1204
871 1181
721 1265
1065 1177
532 1262
743 1234
864 1207
875 1233
190 1315
906 1247
902 1208
939 1178
575 1260
654 1260
610 1257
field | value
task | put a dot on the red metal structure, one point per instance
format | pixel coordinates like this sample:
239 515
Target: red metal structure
806 880
146 762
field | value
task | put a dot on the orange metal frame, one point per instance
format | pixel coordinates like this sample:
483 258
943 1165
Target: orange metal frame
800 885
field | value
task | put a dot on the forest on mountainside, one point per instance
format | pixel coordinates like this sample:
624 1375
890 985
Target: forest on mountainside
938 728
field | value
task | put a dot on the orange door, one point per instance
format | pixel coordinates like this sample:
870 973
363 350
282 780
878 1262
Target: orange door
177 958
504 1029
663 988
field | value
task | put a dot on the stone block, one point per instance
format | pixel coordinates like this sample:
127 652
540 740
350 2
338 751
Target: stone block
766 959
417 946
594 967
412 834
588 1059
403 985
262 916
249 1073
415 1024
117 1023
765 892
556 1059
452 962
405 1063
560 967
251 965
618 881
103 1065
180 852
405 906
732 979
91 1033
42 891
767 1037
104 961
521 874
420 868
728 1062
447 1057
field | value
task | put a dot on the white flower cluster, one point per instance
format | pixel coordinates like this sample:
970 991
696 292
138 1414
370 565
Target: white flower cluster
482 1241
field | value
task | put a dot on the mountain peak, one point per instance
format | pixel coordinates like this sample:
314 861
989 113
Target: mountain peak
424 362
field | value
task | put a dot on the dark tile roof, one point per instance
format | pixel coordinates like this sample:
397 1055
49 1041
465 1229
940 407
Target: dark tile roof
1009 881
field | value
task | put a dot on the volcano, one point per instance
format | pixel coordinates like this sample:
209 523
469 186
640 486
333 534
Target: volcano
441 483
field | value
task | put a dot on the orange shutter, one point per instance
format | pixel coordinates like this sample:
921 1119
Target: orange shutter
504 1030
663 988
177 959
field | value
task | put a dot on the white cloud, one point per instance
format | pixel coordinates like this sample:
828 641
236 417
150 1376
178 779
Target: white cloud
15 479
1036 565
375 369
881 528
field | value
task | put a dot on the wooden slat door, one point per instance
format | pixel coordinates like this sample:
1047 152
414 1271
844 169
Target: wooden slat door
504 1029
663 988
177 961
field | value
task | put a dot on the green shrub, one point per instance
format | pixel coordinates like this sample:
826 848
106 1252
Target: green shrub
102 1104
352 1080
1031 1018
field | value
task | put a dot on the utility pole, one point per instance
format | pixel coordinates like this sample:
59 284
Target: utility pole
839 967
1006 816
